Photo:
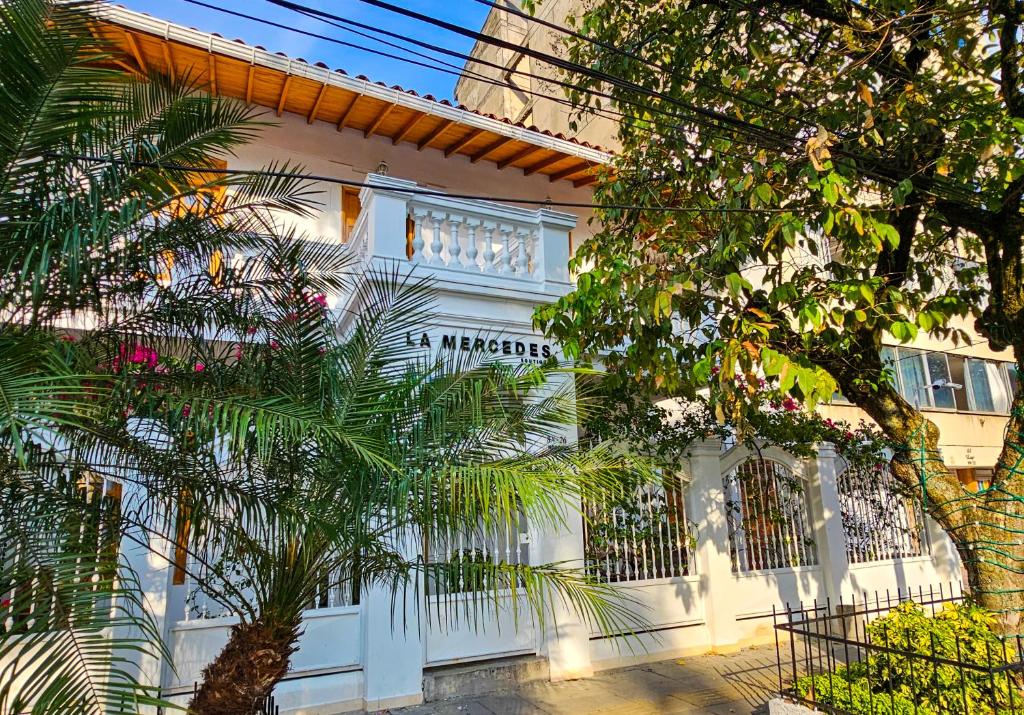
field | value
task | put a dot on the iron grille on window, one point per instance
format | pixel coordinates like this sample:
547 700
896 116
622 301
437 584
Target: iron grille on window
644 535
766 510
879 521
215 582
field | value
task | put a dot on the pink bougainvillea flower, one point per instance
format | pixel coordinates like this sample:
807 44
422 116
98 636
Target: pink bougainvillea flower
789 404
200 367
251 330
319 300
186 410
274 345
238 351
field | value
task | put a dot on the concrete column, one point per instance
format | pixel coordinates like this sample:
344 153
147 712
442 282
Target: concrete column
387 214
714 564
565 639
393 627
827 516
553 258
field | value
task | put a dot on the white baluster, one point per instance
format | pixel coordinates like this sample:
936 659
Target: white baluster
418 215
506 257
489 246
522 258
531 246
471 250
437 218
454 247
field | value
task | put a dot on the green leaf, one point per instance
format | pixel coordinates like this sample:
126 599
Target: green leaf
903 331
662 305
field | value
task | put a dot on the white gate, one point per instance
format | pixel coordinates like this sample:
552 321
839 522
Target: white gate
466 619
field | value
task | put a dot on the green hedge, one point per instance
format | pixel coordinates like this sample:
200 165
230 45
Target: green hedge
959 632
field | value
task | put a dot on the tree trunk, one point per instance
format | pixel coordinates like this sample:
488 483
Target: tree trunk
244 673
987 528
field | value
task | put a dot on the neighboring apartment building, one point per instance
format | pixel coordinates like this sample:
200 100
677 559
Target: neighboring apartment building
705 571
971 418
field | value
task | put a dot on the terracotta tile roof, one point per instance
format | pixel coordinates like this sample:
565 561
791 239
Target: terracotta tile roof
232 67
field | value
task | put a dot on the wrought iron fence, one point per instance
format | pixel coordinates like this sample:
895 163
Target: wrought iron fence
456 557
879 521
205 579
642 535
766 509
840 658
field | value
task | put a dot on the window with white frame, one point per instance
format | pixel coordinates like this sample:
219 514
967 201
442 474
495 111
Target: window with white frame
983 385
640 536
766 510
880 521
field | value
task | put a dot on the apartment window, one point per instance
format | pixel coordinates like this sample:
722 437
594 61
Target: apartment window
197 198
985 385
350 208
988 386
974 478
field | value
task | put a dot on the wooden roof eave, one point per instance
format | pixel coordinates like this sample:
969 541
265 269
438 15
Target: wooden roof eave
317 93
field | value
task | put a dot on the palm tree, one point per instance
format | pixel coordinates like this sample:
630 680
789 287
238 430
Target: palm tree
450 446
116 286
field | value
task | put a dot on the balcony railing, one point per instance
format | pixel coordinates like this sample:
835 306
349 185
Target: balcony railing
463 241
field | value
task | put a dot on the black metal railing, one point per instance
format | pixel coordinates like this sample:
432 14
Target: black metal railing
924 653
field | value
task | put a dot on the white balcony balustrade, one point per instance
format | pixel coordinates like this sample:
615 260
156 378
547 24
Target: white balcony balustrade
473 243
461 241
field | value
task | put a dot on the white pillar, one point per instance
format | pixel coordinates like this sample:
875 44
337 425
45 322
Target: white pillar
826 511
387 215
714 564
566 638
552 258
393 626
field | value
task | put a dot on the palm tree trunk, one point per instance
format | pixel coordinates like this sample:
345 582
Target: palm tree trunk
255 658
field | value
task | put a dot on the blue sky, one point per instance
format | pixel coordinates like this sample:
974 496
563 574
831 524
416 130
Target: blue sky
463 12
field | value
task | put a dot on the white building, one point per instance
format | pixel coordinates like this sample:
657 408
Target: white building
493 264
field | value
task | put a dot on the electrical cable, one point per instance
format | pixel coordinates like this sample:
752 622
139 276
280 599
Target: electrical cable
782 141
604 112
712 115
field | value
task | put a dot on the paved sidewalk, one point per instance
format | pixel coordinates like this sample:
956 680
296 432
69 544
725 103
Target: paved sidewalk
737 684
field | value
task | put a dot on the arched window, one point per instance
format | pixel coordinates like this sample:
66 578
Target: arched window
879 521
766 508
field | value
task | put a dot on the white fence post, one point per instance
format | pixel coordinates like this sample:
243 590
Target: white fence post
393 628
712 552
826 510
565 638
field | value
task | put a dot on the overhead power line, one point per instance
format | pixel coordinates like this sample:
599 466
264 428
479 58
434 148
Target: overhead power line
781 139
770 139
605 112
647 123
608 47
